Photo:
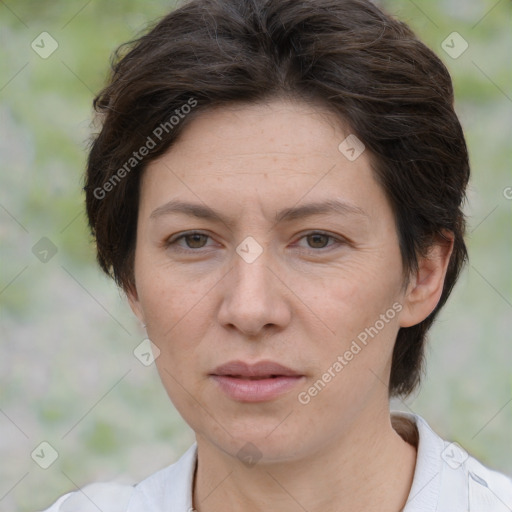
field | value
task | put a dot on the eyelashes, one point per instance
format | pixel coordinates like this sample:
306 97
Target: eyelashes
185 236
195 238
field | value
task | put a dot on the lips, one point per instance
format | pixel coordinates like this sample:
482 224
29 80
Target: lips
259 382
260 370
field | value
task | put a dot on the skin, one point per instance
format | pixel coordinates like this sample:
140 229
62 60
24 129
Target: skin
300 303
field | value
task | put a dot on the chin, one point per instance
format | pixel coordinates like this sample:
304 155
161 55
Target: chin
264 438
261 450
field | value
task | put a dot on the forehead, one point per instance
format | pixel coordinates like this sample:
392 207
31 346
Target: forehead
278 153
270 128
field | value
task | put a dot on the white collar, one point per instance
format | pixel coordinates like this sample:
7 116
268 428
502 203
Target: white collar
446 479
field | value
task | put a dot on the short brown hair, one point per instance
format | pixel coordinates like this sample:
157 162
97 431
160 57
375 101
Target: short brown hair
392 91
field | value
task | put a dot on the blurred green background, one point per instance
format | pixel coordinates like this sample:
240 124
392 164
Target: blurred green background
68 375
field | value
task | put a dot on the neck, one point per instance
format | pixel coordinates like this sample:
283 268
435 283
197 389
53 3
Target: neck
367 467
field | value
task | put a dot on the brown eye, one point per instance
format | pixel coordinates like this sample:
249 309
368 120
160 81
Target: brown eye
193 240
318 240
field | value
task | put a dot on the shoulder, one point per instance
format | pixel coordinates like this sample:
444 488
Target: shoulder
488 489
172 484
451 480
91 498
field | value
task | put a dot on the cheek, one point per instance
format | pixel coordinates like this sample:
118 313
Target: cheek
356 304
178 312
167 296
351 296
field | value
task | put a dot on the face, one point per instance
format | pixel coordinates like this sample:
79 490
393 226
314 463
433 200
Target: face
250 272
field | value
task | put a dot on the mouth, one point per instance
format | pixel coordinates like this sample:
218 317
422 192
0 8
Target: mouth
259 370
252 378
259 382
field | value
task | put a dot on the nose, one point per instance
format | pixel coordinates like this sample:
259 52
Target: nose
254 299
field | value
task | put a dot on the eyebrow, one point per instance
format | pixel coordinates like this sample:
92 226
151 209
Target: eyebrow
286 215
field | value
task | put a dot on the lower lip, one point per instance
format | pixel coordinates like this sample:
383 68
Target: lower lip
261 390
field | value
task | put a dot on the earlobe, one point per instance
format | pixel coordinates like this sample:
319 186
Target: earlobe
426 285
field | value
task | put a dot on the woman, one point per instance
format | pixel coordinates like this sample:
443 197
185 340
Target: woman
277 187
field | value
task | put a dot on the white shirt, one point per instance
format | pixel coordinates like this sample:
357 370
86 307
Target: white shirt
445 479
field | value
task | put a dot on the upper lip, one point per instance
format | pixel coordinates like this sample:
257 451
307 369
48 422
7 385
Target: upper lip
259 369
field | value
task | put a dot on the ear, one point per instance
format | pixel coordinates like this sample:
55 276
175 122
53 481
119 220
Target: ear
426 285
133 299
